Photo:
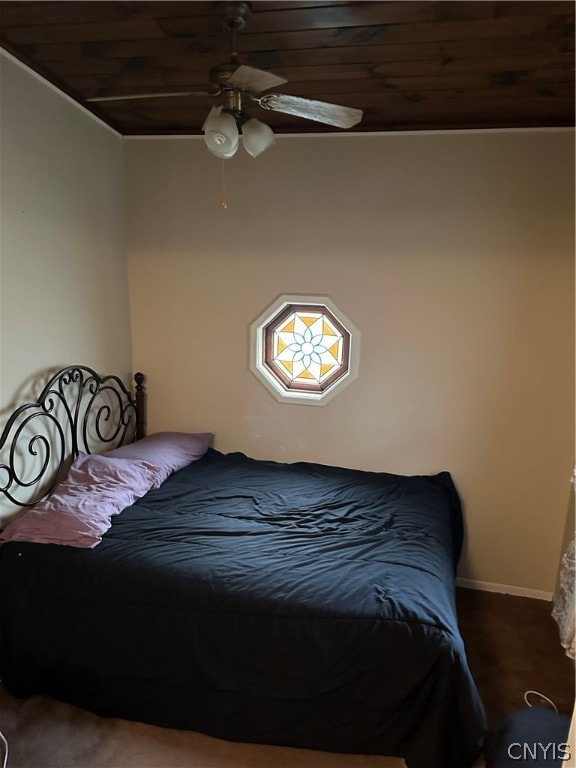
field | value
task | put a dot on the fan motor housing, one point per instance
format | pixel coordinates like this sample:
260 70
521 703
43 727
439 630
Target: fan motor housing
235 14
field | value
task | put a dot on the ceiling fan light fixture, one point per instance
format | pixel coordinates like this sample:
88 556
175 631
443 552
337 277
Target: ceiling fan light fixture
257 136
221 133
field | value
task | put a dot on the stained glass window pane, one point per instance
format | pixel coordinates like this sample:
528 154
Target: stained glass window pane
303 349
307 347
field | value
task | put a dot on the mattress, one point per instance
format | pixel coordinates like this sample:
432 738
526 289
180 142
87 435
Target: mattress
295 604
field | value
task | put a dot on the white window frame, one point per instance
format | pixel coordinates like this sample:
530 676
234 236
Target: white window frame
272 382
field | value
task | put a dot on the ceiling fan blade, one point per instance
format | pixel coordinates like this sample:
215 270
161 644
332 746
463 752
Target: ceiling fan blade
127 97
321 111
256 80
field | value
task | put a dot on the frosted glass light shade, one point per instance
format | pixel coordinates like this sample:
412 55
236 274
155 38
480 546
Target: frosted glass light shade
221 133
257 136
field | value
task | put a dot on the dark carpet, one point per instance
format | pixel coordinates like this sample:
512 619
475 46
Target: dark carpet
513 646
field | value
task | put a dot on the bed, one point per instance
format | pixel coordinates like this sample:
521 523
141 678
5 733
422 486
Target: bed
293 604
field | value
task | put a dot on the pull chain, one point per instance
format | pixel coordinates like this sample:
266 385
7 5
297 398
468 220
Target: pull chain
223 198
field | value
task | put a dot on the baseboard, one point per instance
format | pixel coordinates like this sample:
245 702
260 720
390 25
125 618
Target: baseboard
505 589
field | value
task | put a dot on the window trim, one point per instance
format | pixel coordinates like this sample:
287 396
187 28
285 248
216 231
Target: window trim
269 374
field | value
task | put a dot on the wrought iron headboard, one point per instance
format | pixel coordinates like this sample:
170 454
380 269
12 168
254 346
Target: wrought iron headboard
78 411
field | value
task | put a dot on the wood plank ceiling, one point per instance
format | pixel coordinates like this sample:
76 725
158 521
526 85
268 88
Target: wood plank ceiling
408 65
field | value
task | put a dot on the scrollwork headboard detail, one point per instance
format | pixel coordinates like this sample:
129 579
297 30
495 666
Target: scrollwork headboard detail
78 411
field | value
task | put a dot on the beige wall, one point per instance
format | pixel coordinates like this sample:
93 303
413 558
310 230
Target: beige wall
64 282
452 253
454 256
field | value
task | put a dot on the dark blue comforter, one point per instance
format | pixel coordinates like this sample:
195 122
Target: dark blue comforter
293 604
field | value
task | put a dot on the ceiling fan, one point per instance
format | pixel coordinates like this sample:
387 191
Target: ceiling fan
237 85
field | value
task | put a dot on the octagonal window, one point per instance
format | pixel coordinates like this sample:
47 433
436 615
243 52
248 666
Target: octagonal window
304 349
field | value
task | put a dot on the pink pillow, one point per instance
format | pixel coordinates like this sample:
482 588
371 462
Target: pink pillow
78 511
167 451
